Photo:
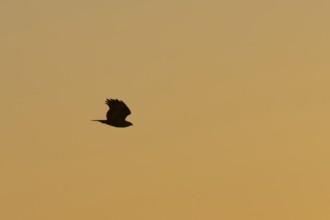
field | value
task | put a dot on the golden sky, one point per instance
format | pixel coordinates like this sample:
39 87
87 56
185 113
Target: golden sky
229 100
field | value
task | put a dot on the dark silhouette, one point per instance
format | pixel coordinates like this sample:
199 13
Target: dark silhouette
118 111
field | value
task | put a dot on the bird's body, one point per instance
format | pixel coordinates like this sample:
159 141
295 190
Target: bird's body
115 124
118 111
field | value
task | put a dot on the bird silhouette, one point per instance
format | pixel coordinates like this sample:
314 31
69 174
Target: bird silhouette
118 111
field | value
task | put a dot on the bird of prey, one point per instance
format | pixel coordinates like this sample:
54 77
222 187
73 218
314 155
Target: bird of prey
118 111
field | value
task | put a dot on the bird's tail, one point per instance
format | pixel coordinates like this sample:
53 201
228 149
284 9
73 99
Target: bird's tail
102 121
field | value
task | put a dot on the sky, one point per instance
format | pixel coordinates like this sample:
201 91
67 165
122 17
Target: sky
229 100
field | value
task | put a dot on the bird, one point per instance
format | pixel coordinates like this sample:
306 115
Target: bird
117 113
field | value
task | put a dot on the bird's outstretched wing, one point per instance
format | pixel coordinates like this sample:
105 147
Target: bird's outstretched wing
118 110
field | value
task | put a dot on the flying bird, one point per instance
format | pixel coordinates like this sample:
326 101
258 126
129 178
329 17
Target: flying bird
118 111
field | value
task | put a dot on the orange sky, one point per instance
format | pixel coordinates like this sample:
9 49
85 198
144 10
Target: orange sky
229 100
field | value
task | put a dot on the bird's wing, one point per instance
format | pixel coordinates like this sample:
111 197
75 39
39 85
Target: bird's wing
118 110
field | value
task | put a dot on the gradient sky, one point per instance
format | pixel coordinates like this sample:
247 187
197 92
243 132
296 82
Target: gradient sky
229 100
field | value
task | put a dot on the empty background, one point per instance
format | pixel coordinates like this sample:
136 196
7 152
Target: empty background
229 99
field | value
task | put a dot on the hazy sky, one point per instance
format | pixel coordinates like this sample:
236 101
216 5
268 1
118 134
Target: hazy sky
229 100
